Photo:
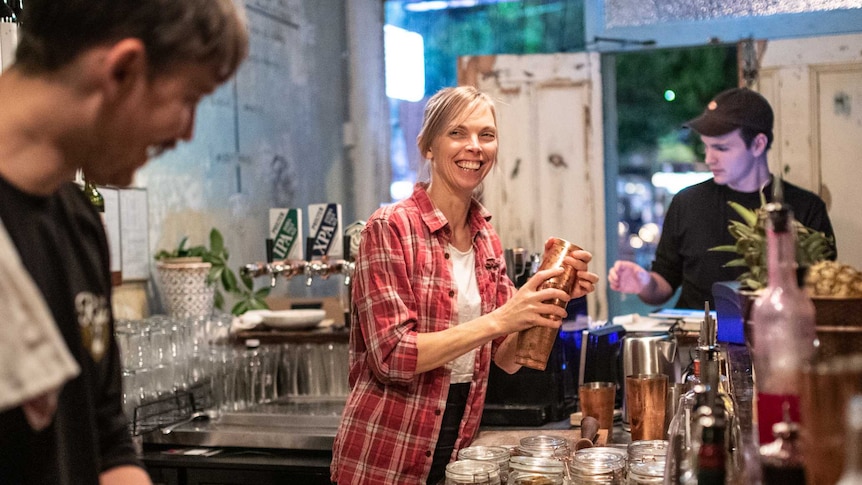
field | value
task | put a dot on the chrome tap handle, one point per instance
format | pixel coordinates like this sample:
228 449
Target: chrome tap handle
285 267
346 268
274 269
254 269
309 270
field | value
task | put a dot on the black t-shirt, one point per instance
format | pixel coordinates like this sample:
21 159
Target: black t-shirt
62 244
697 220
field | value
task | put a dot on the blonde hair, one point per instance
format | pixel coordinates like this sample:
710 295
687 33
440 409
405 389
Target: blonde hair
446 108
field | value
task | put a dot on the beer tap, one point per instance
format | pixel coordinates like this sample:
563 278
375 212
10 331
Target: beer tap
346 269
287 268
310 268
323 268
318 267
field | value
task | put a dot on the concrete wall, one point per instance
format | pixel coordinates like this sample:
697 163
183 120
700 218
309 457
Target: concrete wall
271 137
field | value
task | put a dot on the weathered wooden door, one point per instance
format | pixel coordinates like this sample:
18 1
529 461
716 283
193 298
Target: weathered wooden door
815 87
549 179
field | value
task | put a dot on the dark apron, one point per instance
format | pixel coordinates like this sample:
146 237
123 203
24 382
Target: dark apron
456 402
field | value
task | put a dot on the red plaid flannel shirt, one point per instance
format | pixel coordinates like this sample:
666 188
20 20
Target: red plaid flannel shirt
403 285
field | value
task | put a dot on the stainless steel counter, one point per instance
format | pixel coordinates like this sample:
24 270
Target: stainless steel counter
310 423
304 424
291 424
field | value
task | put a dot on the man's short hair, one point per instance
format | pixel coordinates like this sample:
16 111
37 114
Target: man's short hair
737 108
54 33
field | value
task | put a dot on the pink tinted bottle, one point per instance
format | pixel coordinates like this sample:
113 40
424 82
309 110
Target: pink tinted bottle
784 333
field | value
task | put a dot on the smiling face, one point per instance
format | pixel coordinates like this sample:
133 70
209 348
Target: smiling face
153 118
734 164
463 154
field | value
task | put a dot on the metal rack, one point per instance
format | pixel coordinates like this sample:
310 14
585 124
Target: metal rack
170 410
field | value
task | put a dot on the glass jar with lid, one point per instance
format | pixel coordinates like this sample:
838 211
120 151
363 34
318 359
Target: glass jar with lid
530 470
594 466
647 450
543 446
493 454
472 472
646 473
646 456
620 451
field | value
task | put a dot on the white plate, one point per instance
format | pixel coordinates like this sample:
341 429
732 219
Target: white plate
293 319
252 318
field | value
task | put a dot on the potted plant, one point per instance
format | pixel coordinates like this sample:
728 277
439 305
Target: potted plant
191 277
750 246
750 234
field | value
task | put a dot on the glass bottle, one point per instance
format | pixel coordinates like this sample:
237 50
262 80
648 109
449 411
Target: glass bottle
781 461
853 458
784 332
8 35
711 454
7 14
91 191
692 379
95 197
17 7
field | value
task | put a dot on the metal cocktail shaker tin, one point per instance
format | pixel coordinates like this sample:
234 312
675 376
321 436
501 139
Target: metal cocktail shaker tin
535 343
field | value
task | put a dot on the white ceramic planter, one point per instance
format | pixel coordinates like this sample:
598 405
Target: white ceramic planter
185 292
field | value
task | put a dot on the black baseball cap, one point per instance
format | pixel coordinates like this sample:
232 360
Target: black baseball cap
732 109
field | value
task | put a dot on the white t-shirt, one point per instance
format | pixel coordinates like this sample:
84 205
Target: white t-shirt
469 307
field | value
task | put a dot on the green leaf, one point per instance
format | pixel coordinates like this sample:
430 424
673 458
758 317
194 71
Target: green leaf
241 307
214 274
748 215
216 241
217 255
736 263
752 284
228 279
215 259
219 300
257 304
247 281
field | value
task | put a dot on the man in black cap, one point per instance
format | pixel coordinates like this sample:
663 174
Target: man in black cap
736 130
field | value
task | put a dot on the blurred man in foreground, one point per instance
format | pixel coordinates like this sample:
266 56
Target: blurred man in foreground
97 85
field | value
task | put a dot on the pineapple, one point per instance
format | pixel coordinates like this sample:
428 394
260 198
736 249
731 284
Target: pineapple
834 279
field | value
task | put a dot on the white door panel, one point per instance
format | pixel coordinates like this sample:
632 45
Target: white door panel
839 129
549 179
815 87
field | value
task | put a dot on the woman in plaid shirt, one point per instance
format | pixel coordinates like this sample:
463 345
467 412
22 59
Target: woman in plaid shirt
432 307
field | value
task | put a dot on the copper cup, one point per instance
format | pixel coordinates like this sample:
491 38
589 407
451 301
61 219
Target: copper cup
646 402
535 343
597 400
826 389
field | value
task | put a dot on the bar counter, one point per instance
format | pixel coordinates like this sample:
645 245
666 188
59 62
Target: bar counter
293 440
194 464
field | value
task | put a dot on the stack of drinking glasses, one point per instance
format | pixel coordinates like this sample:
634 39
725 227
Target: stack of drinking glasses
162 356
